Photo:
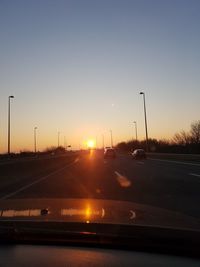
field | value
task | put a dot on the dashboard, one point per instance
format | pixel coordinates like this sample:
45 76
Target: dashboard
45 255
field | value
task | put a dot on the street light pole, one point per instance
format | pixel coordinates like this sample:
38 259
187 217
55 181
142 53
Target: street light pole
35 139
9 98
65 142
111 138
145 118
58 139
103 141
135 130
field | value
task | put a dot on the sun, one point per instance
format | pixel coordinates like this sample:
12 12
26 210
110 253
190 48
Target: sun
90 143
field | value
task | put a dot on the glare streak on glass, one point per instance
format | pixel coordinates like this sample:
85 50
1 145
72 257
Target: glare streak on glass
123 181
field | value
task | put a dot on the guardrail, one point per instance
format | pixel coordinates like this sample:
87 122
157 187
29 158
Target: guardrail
15 159
19 170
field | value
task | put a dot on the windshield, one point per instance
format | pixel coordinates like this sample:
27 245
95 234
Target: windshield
84 84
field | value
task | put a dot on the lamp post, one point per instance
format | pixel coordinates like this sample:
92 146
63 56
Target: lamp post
35 139
103 141
111 138
65 142
135 130
9 100
145 118
58 139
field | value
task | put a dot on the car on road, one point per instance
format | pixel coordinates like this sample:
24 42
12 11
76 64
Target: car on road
109 153
139 154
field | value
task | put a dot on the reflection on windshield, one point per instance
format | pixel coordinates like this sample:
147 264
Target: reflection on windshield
20 213
88 214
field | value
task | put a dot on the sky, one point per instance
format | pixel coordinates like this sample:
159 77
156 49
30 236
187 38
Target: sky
77 67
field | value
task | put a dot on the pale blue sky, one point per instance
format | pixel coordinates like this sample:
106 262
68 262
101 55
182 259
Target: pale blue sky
77 67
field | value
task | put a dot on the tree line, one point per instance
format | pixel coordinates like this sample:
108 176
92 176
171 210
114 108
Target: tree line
182 142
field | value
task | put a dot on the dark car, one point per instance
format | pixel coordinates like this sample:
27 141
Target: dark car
109 153
139 154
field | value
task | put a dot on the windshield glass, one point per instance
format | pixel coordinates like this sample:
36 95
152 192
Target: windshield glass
99 111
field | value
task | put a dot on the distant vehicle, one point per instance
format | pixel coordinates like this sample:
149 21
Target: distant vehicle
109 153
139 154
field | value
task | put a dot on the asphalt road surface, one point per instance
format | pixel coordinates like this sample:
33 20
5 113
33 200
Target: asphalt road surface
160 183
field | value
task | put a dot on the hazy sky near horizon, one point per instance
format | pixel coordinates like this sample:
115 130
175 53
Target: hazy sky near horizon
78 66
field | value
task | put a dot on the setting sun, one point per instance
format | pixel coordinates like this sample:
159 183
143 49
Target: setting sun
90 143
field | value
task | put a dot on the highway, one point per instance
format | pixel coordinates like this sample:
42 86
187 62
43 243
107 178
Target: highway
160 183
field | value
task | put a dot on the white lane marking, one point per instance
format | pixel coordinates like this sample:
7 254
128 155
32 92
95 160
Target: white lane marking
123 181
140 162
38 181
194 174
174 161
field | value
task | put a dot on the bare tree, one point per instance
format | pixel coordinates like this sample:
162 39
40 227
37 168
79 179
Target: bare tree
195 132
182 138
